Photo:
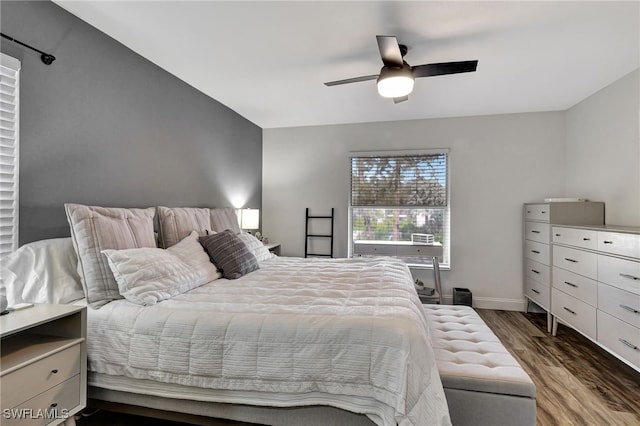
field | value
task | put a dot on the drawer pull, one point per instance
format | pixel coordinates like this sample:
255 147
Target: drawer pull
535 291
570 260
54 371
569 310
629 308
535 251
631 277
533 270
586 239
608 242
571 284
543 212
535 232
557 235
631 345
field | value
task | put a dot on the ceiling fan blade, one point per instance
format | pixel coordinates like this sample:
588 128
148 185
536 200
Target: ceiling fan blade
390 51
443 68
401 99
352 80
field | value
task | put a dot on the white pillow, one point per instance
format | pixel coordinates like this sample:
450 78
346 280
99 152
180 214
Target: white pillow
95 228
42 272
148 275
256 247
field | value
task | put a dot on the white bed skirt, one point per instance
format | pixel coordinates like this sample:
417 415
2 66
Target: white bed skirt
200 402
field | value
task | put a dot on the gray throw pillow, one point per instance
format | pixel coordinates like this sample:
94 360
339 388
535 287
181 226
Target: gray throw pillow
230 254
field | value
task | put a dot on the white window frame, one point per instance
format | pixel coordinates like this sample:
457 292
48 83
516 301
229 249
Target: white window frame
446 264
9 153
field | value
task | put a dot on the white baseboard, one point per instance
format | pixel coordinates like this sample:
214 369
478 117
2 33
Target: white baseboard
493 303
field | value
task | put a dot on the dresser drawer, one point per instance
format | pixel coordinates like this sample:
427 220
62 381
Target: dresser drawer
22 384
539 212
537 272
574 312
536 231
619 337
575 285
574 260
539 293
619 303
48 406
537 251
621 273
583 238
619 243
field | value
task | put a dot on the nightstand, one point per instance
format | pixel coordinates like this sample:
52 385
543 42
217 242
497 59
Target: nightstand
273 248
43 364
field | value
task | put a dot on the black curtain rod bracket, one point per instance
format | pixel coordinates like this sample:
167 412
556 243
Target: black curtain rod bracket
46 58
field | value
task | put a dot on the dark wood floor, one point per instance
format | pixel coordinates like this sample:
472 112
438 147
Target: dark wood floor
577 382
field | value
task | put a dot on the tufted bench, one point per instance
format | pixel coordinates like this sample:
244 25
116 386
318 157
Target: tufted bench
483 383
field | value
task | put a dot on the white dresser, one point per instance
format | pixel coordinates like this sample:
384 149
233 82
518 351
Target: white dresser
538 221
596 286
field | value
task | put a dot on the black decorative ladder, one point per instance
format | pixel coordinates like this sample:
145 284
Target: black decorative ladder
307 235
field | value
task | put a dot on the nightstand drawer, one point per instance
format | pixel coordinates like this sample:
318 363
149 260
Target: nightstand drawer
48 406
536 231
26 382
578 261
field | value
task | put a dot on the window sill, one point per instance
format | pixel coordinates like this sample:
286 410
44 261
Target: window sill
424 266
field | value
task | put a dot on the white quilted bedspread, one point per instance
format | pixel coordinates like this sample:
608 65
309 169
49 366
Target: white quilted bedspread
340 327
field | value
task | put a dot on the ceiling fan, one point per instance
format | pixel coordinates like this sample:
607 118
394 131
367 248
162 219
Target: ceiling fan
396 76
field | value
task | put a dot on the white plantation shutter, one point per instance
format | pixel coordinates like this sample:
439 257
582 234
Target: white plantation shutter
9 138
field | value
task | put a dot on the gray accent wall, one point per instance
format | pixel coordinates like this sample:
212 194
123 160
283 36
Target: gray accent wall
104 126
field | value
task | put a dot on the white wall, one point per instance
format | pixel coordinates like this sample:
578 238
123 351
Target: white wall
603 150
497 163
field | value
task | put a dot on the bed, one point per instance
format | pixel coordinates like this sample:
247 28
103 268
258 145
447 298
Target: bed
292 341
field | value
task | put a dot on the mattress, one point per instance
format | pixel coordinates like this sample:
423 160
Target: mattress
348 333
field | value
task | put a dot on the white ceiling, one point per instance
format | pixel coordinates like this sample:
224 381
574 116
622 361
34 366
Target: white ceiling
268 60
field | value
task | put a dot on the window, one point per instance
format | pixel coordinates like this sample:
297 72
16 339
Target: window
9 132
397 194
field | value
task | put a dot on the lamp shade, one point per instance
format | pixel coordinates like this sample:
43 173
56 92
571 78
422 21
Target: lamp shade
250 218
395 82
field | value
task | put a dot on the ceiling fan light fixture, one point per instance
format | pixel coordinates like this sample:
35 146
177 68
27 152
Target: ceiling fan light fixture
395 82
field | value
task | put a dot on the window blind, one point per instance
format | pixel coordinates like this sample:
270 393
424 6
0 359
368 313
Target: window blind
397 194
9 150
399 180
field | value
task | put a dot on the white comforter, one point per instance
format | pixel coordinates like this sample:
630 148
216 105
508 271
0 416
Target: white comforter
350 329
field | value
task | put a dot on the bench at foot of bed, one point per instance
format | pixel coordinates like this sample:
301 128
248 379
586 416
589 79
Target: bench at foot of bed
483 383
